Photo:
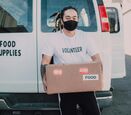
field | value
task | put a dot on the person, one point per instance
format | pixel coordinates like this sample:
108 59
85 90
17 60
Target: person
71 46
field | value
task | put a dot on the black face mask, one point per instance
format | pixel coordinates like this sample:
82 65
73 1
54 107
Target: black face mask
70 25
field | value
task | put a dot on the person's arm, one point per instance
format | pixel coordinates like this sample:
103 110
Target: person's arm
45 61
96 58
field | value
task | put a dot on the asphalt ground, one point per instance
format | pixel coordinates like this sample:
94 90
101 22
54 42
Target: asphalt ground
121 94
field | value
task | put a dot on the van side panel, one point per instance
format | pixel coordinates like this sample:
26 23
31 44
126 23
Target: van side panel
18 70
117 40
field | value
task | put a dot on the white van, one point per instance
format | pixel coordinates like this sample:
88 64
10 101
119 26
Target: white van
23 26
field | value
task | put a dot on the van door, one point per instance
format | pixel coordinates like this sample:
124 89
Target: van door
89 22
114 12
18 71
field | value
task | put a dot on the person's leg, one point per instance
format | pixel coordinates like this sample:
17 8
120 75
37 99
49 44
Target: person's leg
67 104
88 104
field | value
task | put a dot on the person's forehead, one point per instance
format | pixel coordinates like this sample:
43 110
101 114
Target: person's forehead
70 12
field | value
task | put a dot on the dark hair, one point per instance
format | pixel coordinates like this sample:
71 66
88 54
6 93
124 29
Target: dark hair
67 8
59 17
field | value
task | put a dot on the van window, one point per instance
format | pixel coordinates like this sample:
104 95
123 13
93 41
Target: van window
15 16
113 19
51 8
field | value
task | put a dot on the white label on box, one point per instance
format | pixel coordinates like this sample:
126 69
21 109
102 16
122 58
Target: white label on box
91 77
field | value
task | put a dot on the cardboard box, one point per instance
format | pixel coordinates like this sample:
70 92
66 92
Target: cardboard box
74 78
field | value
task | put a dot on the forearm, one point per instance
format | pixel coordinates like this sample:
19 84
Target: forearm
45 61
43 70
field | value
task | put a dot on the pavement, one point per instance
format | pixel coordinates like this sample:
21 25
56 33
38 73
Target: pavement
121 94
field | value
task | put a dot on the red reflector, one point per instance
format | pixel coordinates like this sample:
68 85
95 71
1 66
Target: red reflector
102 10
104 19
105 27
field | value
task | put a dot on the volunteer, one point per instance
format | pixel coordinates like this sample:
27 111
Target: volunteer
71 46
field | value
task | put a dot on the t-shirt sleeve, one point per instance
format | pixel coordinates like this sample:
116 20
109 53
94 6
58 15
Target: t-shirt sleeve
92 47
47 47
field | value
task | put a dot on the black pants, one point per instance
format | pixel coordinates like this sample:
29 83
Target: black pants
86 101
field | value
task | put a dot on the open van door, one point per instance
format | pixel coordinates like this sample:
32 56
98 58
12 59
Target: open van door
114 12
90 24
18 70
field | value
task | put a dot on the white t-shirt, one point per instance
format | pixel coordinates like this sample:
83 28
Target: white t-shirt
69 50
